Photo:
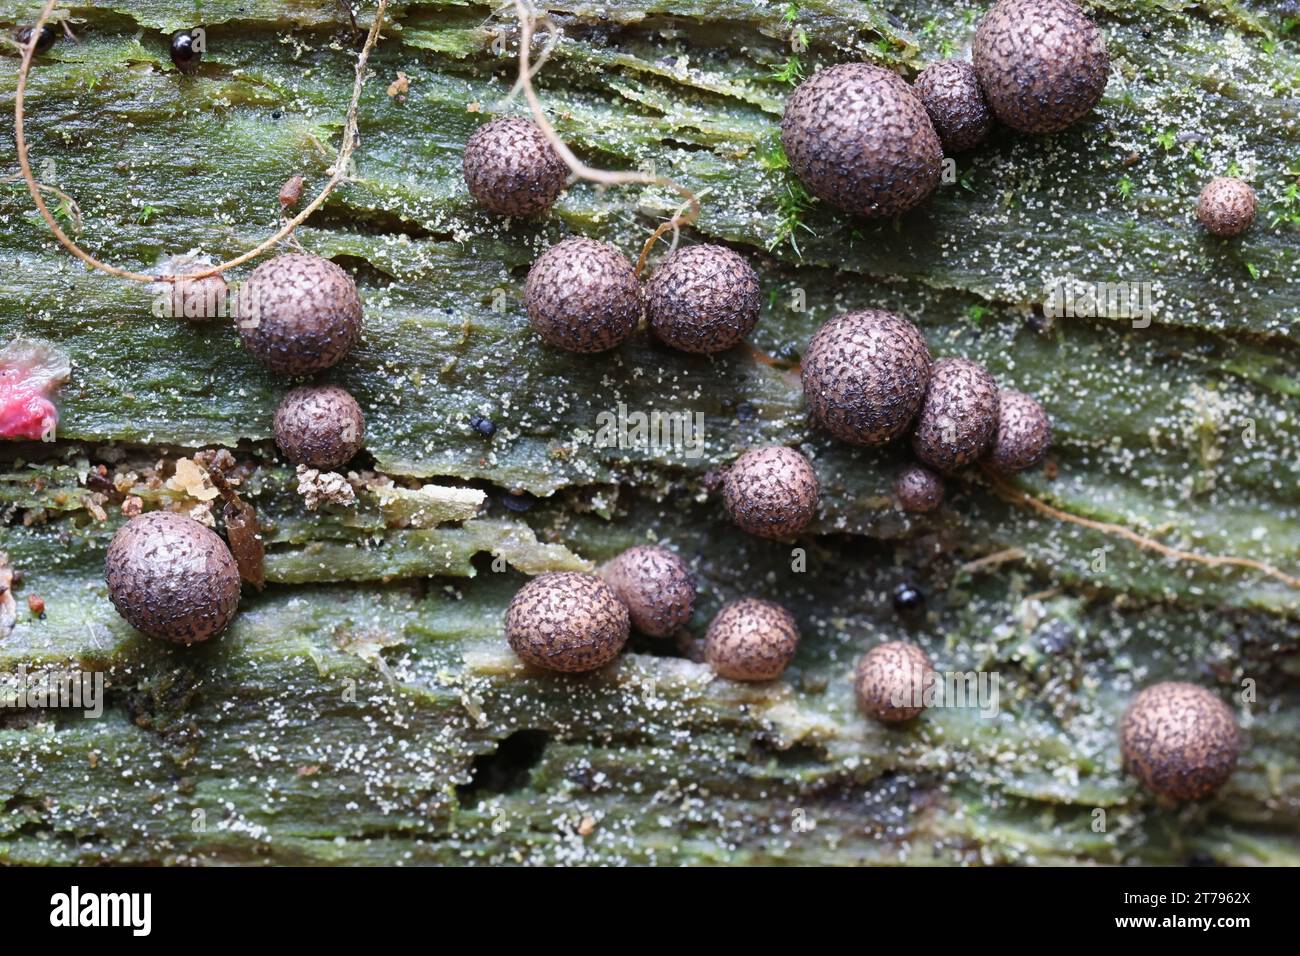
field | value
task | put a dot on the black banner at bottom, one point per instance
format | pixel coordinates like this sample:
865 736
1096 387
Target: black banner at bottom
333 906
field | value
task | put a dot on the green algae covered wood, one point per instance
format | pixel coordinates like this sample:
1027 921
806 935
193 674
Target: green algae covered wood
364 708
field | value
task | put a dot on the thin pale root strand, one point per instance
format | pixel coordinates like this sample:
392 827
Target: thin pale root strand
1016 496
690 209
994 560
346 147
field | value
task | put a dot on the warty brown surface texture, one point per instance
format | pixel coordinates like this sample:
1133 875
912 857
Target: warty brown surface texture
1180 740
751 640
918 489
172 578
952 96
864 376
299 314
890 681
703 298
320 426
858 137
511 169
566 621
1226 206
771 492
583 296
1042 64
1024 433
960 416
656 585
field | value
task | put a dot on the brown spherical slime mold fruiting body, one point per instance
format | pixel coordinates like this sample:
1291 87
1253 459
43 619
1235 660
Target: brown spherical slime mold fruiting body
864 376
1024 434
858 137
194 299
890 681
953 98
703 299
1041 63
198 299
299 314
320 426
751 640
959 419
656 585
771 492
583 296
1227 206
567 621
918 490
172 578
511 169
1180 740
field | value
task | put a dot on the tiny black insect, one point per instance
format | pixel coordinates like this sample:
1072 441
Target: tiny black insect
520 502
187 49
43 42
908 599
483 426
1056 637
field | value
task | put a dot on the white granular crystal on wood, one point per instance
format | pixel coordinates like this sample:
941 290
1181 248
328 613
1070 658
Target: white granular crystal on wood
316 487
